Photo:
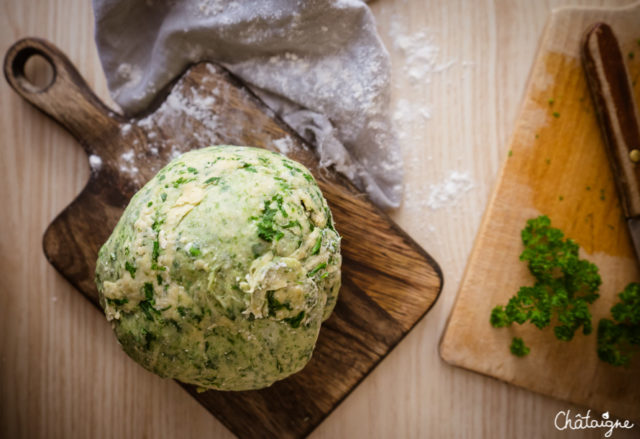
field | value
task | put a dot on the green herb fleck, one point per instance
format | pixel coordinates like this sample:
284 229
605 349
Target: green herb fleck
148 291
588 188
547 161
565 285
619 339
181 181
192 170
194 250
150 203
510 153
131 269
602 197
156 251
149 337
267 225
274 305
556 114
561 198
631 55
290 224
212 180
118 302
316 248
182 311
551 101
163 196
248 167
147 309
316 269
159 279
518 348
294 322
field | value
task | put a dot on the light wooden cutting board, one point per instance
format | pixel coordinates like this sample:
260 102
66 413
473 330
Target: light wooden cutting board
556 166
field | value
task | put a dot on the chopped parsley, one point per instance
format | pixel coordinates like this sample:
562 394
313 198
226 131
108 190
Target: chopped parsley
194 250
248 167
619 337
316 269
156 251
294 322
518 348
118 302
316 248
267 229
564 287
181 181
212 180
148 291
275 305
130 268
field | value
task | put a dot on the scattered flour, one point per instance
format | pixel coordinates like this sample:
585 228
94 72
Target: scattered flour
283 145
127 164
448 192
445 194
95 162
422 55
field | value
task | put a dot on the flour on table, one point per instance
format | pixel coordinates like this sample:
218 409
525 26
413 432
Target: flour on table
95 162
422 55
448 192
445 194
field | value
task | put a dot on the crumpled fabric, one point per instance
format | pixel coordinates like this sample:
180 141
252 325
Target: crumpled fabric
319 64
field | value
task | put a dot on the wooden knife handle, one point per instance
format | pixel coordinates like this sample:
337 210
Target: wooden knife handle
67 98
617 111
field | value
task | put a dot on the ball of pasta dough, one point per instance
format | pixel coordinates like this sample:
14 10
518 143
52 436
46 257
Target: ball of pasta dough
222 269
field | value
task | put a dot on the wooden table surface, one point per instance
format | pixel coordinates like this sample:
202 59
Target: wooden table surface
62 373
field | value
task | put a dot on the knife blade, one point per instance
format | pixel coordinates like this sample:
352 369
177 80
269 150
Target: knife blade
612 94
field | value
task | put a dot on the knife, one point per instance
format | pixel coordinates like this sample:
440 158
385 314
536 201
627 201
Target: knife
612 95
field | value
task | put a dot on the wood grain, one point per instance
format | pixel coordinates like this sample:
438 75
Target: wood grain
557 166
389 281
62 373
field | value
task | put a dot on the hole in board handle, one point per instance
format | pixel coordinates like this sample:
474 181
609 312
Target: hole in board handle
33 69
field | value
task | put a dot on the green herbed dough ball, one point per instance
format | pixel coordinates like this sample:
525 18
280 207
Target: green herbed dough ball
222 269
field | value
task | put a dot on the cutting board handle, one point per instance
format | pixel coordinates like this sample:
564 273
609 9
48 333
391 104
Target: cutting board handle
66 98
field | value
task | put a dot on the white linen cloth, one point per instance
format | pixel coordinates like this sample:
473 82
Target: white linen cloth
319 64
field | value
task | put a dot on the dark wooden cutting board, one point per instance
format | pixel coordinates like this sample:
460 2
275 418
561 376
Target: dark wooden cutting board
389 282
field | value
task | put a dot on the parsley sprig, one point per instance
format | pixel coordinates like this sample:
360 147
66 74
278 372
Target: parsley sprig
565 286
619 339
